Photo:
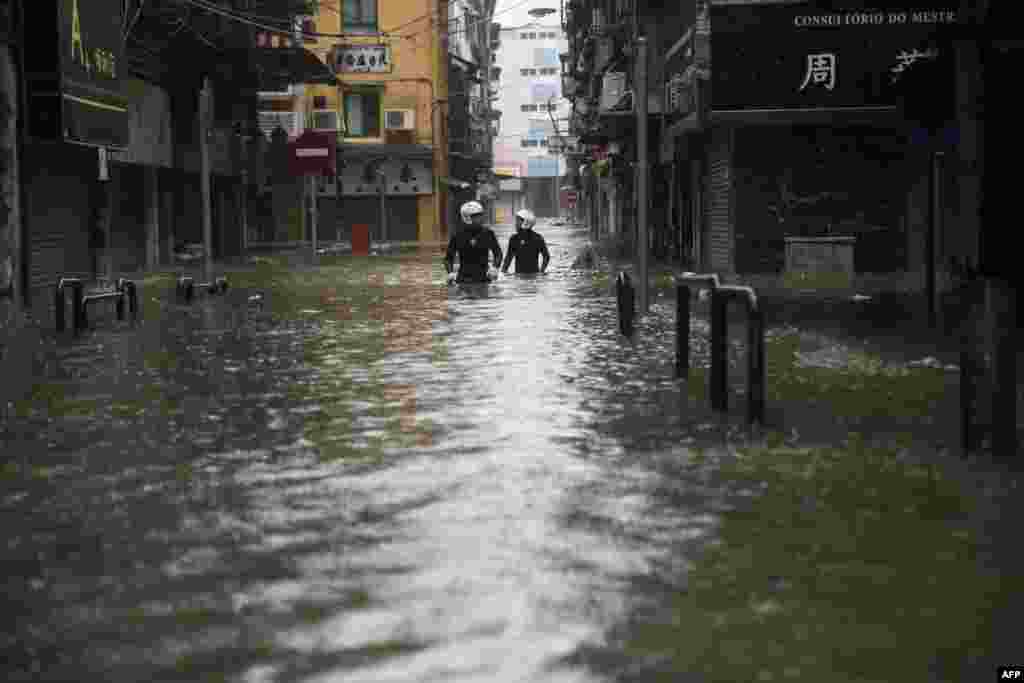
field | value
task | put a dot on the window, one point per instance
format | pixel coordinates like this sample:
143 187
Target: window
362 114
533 72
531 36
359 16
528 143
543 142
524 107
524 72
524 36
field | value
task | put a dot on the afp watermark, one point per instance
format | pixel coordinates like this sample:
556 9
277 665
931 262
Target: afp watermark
1010 673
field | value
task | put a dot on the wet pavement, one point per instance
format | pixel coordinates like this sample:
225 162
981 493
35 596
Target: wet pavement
352 472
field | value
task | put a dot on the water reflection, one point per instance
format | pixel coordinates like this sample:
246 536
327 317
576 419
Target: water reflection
371 477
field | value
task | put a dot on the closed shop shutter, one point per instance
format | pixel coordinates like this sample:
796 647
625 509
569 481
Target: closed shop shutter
402 219
128 224
719 202
59 212
360 211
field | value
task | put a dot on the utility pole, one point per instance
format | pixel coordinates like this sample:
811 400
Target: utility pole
487 106
640 102
313 212
204 178
383 206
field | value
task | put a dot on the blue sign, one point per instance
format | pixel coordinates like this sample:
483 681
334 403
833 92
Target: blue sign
542 166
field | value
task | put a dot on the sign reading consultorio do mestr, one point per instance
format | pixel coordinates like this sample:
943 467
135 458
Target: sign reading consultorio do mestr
795 57
93 104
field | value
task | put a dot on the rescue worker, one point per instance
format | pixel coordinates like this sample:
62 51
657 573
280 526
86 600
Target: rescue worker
472 243
526 245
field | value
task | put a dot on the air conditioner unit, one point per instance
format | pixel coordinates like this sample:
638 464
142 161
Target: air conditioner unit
325 119
287 92
399 119
269 120
604 51
613 88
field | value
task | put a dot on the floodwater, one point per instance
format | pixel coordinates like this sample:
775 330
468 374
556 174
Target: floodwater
360 474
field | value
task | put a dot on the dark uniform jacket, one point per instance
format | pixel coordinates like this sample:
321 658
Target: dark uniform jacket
525 247
472 244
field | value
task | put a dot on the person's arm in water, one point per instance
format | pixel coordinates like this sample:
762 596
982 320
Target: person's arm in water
544 253
496 250
449 256
508 254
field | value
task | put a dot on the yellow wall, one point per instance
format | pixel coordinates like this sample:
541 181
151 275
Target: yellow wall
419 74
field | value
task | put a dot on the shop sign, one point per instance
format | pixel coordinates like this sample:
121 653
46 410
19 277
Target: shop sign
792 57
313 153
93 105
362 59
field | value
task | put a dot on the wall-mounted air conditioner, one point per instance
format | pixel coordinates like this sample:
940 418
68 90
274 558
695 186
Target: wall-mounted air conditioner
325 119
613 88
269 120
399 119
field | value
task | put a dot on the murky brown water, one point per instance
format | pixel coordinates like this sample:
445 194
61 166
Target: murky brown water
389 481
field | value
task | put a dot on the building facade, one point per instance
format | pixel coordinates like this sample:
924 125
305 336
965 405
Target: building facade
468 116
768 120
387 112
534 115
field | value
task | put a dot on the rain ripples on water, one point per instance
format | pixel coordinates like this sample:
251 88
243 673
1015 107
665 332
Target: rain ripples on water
367 477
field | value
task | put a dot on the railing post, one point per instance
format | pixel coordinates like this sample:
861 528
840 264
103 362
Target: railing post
966 398
58 305
755 364
682 332
133 299
719 378
78 318
624 292
119 304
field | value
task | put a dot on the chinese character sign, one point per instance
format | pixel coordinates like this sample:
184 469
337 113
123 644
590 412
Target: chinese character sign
795 55
821 71
362 59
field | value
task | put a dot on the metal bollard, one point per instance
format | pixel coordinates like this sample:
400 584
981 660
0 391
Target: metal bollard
719 379
119 304
131 292
58 305
624 290
755 366
966 399
78 319
682 331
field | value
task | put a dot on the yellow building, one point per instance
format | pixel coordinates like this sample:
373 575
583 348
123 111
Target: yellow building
388 112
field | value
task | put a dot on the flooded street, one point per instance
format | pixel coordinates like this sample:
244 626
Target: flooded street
364 475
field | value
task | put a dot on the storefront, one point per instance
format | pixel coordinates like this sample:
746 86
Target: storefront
75 103
798 130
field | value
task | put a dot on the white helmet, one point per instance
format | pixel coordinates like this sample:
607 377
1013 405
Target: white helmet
470 209
528 218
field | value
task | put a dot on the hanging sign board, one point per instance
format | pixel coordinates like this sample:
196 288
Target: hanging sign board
362 59
795 56
313 153
92 107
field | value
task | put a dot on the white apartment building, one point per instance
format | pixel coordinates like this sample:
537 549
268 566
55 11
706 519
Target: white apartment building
529 97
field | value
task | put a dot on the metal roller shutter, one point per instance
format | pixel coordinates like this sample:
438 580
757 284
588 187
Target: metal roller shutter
360 210
403 218
719 202
59 212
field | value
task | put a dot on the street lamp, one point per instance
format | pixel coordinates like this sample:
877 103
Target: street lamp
539 12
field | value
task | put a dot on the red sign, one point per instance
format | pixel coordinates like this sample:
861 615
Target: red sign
313 153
